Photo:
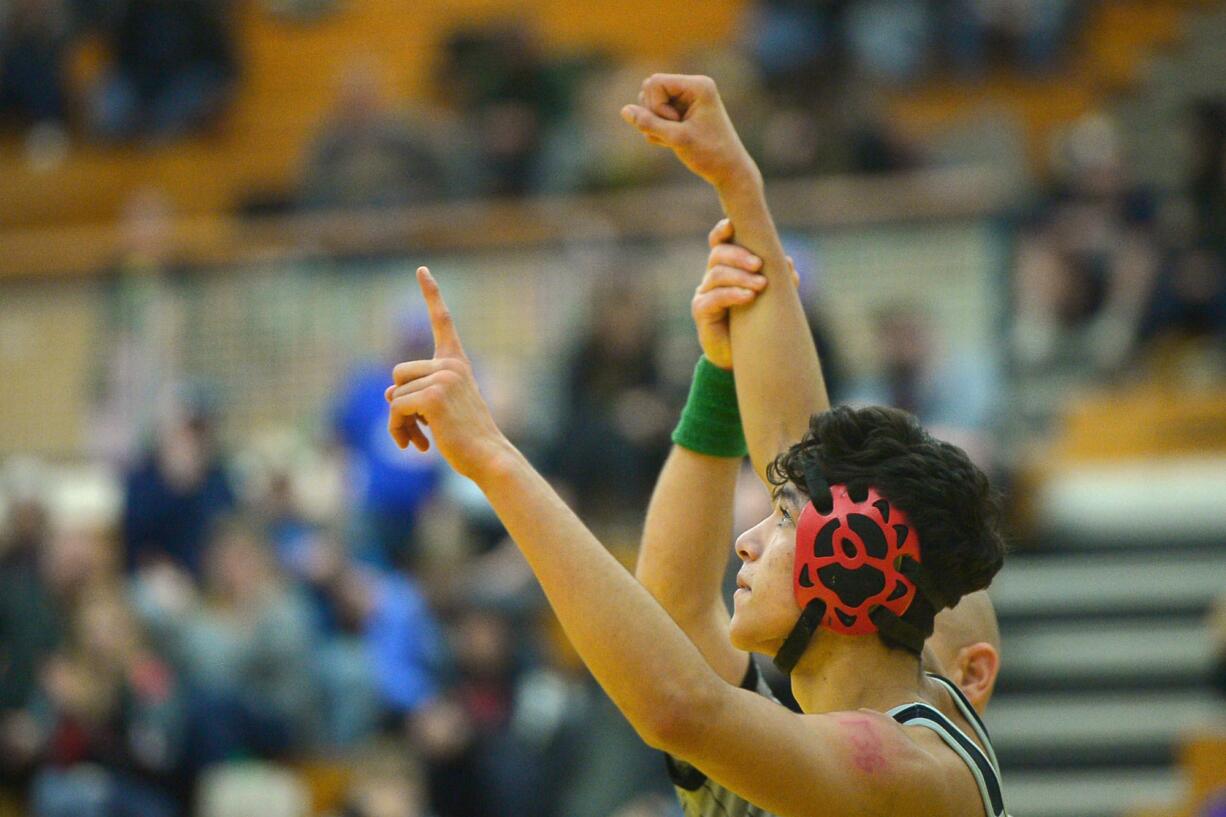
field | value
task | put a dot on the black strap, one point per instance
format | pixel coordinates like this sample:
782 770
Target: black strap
894 629
918 575
798 640
818 487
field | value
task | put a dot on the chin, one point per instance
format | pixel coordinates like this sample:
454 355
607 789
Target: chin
739 633
746 637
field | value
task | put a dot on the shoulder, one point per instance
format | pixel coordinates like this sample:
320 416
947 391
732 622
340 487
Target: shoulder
923 762
909 766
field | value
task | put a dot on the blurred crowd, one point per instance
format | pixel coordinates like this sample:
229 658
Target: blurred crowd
507 117
334 622
165 67
341 623
514 120
1113 282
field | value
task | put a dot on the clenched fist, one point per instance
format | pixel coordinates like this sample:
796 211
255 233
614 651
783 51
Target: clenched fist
685 114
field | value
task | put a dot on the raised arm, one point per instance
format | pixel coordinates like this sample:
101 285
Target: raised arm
686 543
686 536
688 530
795 766
778 379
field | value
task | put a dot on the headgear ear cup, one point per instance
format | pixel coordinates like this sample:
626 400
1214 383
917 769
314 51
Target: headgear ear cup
853 568
849 558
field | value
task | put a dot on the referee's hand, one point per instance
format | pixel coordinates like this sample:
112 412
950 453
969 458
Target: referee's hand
733 278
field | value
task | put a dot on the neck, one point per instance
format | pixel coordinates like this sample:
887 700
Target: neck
838 673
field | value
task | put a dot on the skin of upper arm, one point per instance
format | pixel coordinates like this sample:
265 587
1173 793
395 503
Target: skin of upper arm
829 765
685 549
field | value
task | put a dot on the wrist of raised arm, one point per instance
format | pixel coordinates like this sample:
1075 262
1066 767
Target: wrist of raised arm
503 464
742 183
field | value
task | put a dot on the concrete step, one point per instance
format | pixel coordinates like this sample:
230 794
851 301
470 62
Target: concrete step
1095 793
1139 653
1164 500
1066 729
1127 582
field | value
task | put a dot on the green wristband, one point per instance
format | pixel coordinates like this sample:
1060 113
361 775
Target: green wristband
711 422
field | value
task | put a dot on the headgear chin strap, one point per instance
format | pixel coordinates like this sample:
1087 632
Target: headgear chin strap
857 570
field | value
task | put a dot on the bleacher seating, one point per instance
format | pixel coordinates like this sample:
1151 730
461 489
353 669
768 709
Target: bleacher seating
291 68
1112 53
1105 649
290 72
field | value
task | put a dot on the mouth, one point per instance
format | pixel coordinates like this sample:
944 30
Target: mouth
741 584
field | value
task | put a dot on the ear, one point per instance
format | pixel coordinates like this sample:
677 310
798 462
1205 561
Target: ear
974 671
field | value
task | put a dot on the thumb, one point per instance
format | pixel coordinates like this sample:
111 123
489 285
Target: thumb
656 128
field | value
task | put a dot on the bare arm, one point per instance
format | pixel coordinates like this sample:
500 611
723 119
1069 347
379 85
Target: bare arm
795 766
688 529
685 550
838 764
779 382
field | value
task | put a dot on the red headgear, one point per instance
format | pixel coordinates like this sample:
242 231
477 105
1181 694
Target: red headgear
857 570
849 558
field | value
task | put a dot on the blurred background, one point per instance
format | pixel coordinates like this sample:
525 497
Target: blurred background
223 592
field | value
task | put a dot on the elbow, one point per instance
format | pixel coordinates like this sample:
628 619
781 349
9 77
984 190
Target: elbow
686 609
665 595
679 717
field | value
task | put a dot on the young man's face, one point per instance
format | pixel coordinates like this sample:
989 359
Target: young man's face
764 609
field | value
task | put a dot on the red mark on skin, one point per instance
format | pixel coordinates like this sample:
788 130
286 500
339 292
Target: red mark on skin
866 744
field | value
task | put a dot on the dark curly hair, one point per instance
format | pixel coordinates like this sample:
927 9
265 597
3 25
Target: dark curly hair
948 499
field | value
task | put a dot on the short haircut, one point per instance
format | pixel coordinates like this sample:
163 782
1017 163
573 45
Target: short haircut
948 499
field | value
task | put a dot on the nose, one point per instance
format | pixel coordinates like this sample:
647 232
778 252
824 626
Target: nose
749 543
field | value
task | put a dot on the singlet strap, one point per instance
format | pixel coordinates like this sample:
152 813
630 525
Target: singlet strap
972 717
985 774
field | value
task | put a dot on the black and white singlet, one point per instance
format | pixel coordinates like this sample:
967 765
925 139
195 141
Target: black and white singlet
702 797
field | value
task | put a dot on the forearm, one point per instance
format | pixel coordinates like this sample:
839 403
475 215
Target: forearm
778 380
648 667
687 532
684 553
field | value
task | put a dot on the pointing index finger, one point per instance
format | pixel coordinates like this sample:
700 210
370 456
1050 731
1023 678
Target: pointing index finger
446 339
